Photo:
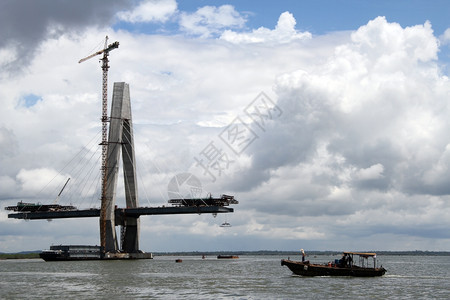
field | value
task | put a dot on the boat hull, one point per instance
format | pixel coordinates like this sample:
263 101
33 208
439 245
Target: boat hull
83 252
55 256
227 257
307 269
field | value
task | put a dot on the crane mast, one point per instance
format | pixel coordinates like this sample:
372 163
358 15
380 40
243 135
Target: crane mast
105 66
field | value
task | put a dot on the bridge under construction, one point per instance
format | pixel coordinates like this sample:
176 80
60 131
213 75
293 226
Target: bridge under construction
121 213
120 140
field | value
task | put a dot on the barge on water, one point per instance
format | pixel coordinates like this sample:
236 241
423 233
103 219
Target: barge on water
227 257
84 252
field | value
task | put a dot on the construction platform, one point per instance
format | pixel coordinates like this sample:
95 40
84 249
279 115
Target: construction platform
120 213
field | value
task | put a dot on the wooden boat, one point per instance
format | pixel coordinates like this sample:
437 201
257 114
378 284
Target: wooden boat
341 267
227 256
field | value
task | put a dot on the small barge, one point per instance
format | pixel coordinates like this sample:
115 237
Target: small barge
71 252
227 257
83 252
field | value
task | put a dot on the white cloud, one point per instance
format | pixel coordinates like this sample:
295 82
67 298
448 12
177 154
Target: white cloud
150 11
209 20
33 182
372 172
445 37
437 173
362 134
284 32
380 39
366 128
7 56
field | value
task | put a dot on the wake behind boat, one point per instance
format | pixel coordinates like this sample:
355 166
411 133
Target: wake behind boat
341 267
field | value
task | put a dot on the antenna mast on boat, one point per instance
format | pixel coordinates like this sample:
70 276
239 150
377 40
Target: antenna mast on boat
105 51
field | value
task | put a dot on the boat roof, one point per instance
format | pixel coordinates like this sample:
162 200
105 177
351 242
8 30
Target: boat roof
361 253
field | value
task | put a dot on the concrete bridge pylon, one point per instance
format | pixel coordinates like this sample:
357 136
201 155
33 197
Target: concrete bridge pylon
120 141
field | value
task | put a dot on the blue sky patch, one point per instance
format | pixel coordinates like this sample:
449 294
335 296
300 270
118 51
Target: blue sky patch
30 100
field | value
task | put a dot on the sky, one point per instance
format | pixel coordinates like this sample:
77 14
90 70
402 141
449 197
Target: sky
327 120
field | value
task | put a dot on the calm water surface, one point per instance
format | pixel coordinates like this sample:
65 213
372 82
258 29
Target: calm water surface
249 277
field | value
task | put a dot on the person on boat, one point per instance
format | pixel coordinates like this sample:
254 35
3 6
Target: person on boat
303 255
343 261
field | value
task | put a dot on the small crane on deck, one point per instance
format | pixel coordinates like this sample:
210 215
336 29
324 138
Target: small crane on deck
105 51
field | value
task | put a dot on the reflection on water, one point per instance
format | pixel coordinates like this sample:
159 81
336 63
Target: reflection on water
249 277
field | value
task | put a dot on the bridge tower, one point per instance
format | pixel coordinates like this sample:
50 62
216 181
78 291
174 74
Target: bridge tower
120 140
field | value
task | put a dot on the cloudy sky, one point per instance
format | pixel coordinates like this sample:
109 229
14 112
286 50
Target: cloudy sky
327 120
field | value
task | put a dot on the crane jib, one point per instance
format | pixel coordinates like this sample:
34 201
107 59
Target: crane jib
106 50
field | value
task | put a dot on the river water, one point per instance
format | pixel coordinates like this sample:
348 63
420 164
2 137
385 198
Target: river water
249 277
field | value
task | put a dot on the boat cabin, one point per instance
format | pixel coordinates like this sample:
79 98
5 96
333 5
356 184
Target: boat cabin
363 259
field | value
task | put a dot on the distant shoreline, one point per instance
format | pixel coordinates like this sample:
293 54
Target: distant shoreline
35 254
27 255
